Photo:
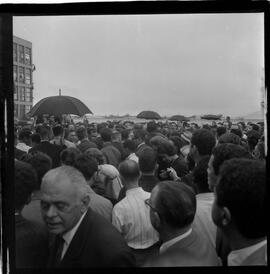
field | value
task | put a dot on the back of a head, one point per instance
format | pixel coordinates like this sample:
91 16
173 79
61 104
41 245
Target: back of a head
220 131
116 136
242 189
175 203
41 163
68 155
236 130
229 137
81 132
151 126
177 142
253 137
204 140
87 165
25 182
44 131
96 153
223 152
106 134
200 177
25 134
35 137
58 130
167 148
130 144
148 160
129 171
139 133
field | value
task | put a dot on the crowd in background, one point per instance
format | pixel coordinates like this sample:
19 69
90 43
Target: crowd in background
125 194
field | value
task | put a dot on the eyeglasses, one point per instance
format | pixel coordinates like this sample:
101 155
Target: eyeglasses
147 202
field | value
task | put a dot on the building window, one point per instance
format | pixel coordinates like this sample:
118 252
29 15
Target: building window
27 76
22 92
27 109
28 95
16 110
15 55
15 74
22 111
21 74
21 54
27 56
15 92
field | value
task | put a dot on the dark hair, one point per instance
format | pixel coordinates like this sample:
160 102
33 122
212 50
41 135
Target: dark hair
253 137
151 126
242 189
87 165
68 155
178 143
147 160
57 130
106 134
261 149
96 153
43 131
200 177
204 140
35 137
223 152
166 147
255 127
41 163
220 131
125 134
81 133
140 133
25 133
237 131
229 137
175 203
130 144
129 170
25 180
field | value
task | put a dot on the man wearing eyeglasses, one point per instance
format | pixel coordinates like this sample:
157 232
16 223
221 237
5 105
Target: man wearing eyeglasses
172 210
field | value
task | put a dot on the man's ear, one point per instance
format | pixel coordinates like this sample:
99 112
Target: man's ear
226 216
85 203
157 220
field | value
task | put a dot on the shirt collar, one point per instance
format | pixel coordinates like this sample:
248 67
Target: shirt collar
68 236
171 242
129 191
236 257
140 144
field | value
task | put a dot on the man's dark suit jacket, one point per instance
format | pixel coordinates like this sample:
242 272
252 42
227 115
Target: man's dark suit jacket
31 244
50 149
194 250
112 154
96 243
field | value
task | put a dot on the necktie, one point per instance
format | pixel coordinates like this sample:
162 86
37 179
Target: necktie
59 248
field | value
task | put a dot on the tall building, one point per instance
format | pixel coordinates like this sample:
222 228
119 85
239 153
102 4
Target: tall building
22 77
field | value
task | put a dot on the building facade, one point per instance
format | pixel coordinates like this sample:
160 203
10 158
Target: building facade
22 77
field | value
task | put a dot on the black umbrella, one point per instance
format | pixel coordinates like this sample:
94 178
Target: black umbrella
58 105
178 118
148 114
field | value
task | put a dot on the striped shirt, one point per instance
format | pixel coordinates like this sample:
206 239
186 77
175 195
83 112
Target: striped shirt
132 218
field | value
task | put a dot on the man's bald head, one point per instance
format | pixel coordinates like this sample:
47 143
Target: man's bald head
129 170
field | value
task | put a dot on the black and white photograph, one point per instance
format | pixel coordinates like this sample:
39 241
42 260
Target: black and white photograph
139 138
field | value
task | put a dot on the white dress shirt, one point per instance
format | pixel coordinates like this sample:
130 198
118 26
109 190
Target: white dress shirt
133 157
236 257
68 236
171 242
131 216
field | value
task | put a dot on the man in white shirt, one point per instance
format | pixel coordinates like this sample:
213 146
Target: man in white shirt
130 148
239 210
131 215
172 210
24 143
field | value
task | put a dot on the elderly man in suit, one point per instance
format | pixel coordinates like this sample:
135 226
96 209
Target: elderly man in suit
83 239
172 210
239 210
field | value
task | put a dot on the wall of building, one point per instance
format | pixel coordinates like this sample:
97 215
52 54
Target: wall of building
22 76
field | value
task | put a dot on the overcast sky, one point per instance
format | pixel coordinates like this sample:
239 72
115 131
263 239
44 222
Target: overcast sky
173 64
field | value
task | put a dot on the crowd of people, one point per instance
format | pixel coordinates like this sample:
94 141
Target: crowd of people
126 194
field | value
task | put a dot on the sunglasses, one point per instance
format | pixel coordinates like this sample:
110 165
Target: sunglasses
147 202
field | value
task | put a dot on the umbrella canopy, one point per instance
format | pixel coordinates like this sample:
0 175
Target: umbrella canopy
148 114
178 118
211 117
58 105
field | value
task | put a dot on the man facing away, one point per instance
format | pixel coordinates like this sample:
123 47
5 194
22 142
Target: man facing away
172 210
239 210
82 238
131 216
